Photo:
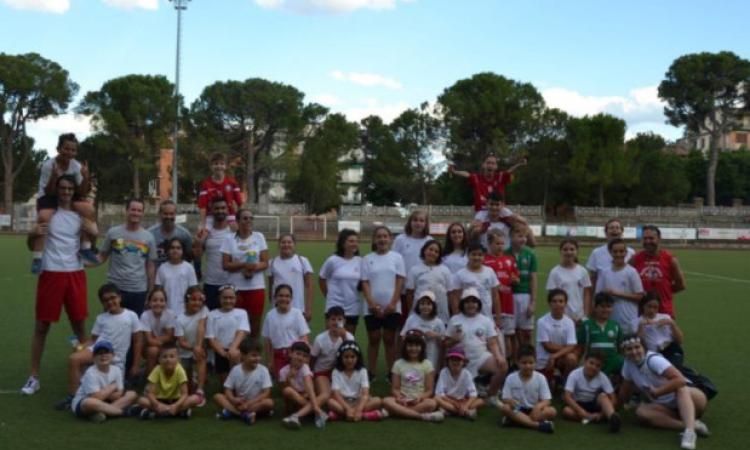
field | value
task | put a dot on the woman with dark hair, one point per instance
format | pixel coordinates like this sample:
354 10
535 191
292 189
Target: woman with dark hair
340 277
454 251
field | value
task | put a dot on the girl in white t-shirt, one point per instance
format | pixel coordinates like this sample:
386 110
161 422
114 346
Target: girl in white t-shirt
282 327
294 270
176 276
480 277
382 282
157 326
350 397
455 391
410 242
226 328
431 275
191 335
425 320
622 282
658 332
340 276
574 279
456 241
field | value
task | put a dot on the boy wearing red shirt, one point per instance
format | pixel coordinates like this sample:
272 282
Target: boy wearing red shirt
507 273
489 181
218 185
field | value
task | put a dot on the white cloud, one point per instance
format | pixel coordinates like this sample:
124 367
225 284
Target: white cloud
324 99
51 6
329 6
46 131
641 109
372 107
132 4
367 79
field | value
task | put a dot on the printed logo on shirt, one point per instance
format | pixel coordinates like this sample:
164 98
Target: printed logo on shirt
651 271
610 334
129 246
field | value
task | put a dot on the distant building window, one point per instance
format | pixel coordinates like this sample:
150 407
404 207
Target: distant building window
740 138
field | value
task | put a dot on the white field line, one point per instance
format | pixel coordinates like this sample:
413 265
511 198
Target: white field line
718 277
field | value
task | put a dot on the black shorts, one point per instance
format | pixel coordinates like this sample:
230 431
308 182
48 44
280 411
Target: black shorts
390 322
211 291
351 320
592 407
221 364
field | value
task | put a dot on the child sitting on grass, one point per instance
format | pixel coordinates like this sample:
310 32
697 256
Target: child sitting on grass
526 395
455 392
247 389
166 393
298 390
101 393
589 395
225 330
350 399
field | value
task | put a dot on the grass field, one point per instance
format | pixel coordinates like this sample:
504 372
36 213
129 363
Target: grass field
712 312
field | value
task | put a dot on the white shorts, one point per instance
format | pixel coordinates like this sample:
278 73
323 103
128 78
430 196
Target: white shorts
509 324
520 306
474 364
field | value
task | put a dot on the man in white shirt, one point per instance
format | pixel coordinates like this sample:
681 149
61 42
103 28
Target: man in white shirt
600 259
208 242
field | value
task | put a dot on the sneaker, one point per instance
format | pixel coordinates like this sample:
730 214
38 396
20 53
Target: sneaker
248 418
545 426
614 423
147 415
32 385
701 429
688 439
201 397
64 404
291 422
436 417
188 413
505 422
97 417
89 256
36 266
384 414
494 401
471 414
132 411
320 421
224 414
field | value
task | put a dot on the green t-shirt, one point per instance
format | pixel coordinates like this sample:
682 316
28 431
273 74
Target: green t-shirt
527 264
606 340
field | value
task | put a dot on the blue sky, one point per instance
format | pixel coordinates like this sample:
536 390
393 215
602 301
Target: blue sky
365 57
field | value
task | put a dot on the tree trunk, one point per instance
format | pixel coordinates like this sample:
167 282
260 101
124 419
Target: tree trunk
250 168
601 195
136 181
713 162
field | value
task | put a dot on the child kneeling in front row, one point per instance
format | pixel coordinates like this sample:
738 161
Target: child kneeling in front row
589 395
166 393
350 399
298 390
456 392
247 389
526 395
101 393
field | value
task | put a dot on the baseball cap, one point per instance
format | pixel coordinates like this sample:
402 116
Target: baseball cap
470 292
456 352
428 294
103 345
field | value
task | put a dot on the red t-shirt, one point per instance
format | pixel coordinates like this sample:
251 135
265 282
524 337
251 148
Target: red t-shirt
226 188
505 268
656 275
483 187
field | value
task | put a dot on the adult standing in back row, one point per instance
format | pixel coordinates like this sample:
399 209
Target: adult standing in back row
658 269
600 259
208 241
131 251
167 229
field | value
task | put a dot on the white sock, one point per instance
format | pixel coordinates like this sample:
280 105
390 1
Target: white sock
37 255
85 245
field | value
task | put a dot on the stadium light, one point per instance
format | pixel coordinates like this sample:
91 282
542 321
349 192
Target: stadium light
179 6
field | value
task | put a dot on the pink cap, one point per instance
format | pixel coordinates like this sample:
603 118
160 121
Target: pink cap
456 352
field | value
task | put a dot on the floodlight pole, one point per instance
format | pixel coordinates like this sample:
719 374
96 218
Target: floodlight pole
179 5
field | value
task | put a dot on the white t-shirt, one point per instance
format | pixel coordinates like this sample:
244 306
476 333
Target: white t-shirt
624 312
298 382
409 248
527 393
176 279
94 381
504 228
573 282
247 251
118 329
213 269
342 278
187 327
431 278
458 388
284 329
475 333
324 350
45 173
149 323
649 374
483 281
585 390
350 387
549 329
655 337
224 325
248 385
62 243
455 261
600 259
381 271
415 322
291 271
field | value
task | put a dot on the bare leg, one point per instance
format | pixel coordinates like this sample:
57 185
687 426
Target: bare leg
373 349
43 217
605 404
518 417
41 329
223 402
659 416
76 362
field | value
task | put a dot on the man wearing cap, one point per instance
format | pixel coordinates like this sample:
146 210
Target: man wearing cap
658 269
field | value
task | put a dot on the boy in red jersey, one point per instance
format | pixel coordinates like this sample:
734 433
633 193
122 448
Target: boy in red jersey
218 184
507 273
489 180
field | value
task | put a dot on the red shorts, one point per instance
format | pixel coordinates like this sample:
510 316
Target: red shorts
323 373
56 289
251 301
280 359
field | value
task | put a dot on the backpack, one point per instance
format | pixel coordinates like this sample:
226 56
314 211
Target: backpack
696 379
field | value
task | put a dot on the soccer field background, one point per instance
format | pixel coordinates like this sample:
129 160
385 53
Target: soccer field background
713 312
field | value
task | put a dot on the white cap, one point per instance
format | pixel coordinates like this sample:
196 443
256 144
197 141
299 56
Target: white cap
428 294
470 292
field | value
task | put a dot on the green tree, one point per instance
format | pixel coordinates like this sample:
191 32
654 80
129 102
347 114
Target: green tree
733 177
108 175
695 170
597 161
29 172
137 113
488 113
259 120
657 178
316 182
31 88
386 170
706 92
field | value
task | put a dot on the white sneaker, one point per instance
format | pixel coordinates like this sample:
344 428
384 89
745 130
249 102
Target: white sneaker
471 414
32 385
436 416
97 417
320 421
688 439
494 401
701 429
384 413
291 422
